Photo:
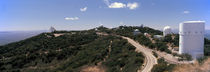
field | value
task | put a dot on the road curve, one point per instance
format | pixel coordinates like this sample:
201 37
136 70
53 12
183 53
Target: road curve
150 58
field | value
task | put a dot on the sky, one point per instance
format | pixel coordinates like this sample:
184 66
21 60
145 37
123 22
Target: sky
17 15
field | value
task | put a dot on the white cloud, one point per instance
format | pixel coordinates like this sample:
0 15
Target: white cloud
117 5
71 18
83 9
133 5
186 12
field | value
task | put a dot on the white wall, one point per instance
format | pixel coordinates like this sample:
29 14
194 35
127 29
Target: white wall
192 38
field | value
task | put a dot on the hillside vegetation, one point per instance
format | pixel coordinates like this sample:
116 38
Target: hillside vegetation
207 47
141 38
71 52
98 49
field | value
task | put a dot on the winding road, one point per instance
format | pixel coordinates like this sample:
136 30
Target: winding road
151 60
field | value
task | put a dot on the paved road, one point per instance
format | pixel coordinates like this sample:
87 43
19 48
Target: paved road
150 59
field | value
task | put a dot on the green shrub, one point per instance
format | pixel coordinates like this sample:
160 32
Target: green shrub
155 54
162 66
185 57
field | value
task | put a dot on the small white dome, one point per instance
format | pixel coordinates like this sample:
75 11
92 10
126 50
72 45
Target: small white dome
166 30
136 30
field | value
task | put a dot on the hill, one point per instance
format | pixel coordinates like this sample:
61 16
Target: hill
156 44
70 52
99 49
207 36
13 36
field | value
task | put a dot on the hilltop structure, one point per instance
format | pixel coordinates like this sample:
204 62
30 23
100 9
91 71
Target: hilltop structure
158 37
192 38
166 30
52 29
136 32
142 26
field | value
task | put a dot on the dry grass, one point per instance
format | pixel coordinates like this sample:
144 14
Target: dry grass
196 67
57 35
93 69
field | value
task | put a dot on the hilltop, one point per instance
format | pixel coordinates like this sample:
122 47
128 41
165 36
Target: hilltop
99 49
68 51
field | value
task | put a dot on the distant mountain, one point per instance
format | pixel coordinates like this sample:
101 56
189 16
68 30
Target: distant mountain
207 31
207 35
75 51
13 36
175 31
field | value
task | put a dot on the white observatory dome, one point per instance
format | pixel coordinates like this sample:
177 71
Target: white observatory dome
166 30
136 30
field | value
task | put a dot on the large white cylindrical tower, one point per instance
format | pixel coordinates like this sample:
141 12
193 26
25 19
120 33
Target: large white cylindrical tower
191 39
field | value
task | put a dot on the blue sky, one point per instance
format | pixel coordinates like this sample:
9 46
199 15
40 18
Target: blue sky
86 14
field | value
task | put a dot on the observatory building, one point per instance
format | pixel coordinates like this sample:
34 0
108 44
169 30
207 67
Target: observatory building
191 39
166 30
52 29
136 32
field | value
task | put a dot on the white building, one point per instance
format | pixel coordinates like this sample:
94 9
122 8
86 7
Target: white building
96 29
158 37
166 30
136 32
146 34
192 38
